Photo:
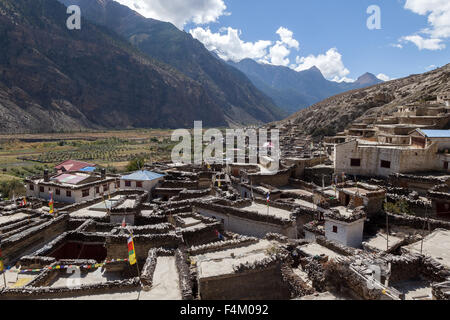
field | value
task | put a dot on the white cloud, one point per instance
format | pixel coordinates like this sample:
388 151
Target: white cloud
343 79
438 12
330 64
179 12
424 44
397 45
431 67
287 37
229 46
383 77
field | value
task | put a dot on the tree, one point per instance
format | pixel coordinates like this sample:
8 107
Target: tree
136 164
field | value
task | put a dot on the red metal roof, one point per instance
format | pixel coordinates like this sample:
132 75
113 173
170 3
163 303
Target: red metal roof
73 165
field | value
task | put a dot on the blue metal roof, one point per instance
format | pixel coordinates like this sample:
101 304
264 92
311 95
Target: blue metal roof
88 169
436 133
142 176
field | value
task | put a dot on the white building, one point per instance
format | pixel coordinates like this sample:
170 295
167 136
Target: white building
141 180
345 226
444 98
72 187
427 151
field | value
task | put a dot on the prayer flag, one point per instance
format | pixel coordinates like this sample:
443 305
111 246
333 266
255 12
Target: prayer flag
219 235
50 204
131 251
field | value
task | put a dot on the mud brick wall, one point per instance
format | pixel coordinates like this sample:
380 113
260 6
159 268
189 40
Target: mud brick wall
202 236
314 175
14 246
340 277
311 187
266 284
183 184
116 246
416 222
184 274
277 180
404 267
47 293
297 287
242 241
149 268
336 247
441 291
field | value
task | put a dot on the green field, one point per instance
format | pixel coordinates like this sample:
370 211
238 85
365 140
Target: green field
29 154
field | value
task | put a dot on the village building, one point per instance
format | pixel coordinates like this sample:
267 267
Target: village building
74 165
71 187
345 226
428 150
141 180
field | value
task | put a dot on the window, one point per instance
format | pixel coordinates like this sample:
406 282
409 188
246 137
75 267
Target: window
97 189
58 192
446 165
117 184
355 162
335 229
41 189
105 187
31 187
85 193
138 184
68 193
127 183
385 164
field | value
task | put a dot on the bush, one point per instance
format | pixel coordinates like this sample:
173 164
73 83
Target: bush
136 164
11 188
400 207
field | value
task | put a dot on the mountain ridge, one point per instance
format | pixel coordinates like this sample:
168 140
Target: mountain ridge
294 90
54 79
334 114
229 87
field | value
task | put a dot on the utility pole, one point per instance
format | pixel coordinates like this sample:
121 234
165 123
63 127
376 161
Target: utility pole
423 231
387 231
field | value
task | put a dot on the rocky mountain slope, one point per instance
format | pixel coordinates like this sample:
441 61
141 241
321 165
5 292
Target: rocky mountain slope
334 114
55 79
239 99
292 90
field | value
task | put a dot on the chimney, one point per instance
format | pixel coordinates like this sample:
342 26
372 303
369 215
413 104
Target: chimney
46 177
103 173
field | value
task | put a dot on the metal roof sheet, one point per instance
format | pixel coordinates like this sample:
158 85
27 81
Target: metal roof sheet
142 176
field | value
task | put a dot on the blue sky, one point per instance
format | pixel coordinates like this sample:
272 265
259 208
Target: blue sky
332 34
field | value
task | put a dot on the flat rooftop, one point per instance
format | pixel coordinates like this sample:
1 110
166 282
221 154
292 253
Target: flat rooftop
379 241
13 218
436 245
262 209
218 263
344 211
296 190
314 249
165 285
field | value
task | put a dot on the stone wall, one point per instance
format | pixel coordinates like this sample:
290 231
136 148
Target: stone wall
116 245
14 246
263 284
